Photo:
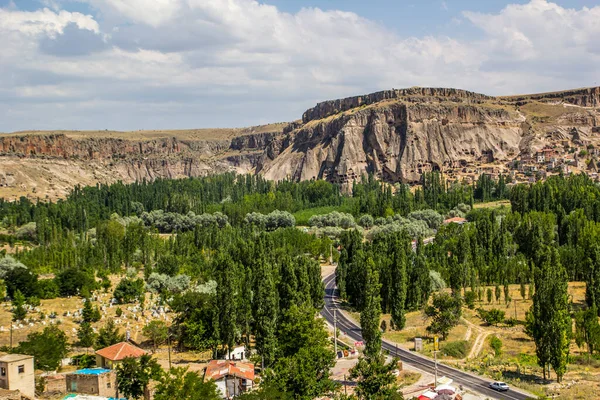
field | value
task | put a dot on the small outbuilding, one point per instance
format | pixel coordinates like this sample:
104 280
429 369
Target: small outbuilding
17 373
232 378
93 381
109 357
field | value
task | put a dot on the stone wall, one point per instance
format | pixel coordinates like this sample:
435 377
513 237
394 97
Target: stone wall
104 385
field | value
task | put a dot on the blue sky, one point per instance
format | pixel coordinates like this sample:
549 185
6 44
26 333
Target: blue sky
135 64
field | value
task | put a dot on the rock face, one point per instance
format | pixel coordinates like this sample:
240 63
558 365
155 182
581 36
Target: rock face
395 134
43 165
399 134
397 141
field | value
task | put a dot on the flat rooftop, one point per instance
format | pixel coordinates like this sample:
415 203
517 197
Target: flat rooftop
14 357
92 371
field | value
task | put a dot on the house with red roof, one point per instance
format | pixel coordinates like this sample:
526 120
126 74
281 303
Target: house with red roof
455 220
231 377
109 357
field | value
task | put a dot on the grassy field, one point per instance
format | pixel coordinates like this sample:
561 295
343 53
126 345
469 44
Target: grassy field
493 204
303 216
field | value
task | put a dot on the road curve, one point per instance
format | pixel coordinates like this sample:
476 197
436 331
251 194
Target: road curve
467 380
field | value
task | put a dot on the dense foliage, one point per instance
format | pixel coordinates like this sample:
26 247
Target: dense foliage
224 254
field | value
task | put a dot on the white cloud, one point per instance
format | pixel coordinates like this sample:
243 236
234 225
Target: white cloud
232 62
43 21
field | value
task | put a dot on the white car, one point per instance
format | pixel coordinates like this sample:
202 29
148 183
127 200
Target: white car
499 386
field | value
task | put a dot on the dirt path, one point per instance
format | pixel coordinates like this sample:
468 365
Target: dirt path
468 333
478 345
482 334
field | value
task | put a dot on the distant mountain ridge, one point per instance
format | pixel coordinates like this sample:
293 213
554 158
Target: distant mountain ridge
395 134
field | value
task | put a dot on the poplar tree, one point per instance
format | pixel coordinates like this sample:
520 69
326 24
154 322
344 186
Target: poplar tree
398 275
265 312
548 321
227 293
370 315
18 306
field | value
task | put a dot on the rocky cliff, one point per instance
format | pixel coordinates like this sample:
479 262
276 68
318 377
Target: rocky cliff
395 134
399 134
49 164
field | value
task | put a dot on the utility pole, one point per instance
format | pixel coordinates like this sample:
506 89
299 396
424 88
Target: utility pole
435 358
169 347
436 348
331 253
335 333
11 329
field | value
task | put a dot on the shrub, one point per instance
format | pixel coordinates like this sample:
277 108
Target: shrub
84 360
73 281
470 298
458 349
491 317
27 232
127 291
431 217
21 279
437 283
366 221
34 301
47 289
8 264
335 218
496 344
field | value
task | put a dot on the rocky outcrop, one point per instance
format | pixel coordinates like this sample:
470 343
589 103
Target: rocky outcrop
585 97
396 142
399 134
42 165
394 134
416 94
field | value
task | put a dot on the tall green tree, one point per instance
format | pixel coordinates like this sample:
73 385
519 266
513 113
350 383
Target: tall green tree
134 375
265 313
227 294
375 379
444 312
548 321
85 335
108 335
306 355
157 331
48 347
89 313
399 282
179 383
18 306
587 329
371 313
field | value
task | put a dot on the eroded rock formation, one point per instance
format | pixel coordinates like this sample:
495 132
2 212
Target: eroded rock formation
395 134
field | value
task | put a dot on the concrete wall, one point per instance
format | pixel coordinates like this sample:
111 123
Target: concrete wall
104 385
12 379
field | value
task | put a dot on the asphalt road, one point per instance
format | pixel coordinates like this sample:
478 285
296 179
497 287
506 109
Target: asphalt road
467 380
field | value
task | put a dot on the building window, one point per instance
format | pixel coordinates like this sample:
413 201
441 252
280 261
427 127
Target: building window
108 385
3 371
21 369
